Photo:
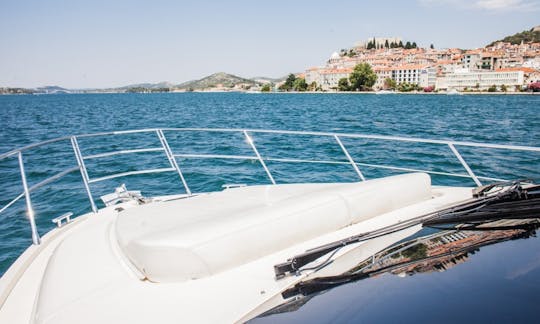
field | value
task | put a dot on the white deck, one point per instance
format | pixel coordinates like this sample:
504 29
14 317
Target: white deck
85 272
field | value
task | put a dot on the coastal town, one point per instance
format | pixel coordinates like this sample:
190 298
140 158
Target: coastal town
378 64
502 66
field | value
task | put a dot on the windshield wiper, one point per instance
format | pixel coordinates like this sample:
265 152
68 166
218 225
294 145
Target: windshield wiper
490 202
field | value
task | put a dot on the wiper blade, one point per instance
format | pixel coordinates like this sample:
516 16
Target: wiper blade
514 203
510 198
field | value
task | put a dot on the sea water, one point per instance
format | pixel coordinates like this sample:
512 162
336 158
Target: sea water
26 119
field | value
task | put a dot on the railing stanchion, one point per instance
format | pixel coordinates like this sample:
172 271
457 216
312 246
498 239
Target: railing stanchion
29 209
356 169
172 159
465 165
84 173
250 142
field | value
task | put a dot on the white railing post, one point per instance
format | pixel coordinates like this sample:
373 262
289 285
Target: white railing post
465 165
172 159
356 169
84 173
250 142
29 209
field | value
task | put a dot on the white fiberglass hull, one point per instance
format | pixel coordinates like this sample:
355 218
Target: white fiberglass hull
111 268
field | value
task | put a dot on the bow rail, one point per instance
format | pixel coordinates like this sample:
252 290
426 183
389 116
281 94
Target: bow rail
248 134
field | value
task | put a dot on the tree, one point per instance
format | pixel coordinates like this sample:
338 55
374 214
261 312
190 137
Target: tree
407 87
368 46
400 44
414 45
289 83
408 45
504 88
344 85
493 88
386 45
362 77
312 86
266 88
390 83
300 84
431 46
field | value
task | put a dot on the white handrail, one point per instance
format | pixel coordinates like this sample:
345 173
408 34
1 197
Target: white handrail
250 142
247 133
354 164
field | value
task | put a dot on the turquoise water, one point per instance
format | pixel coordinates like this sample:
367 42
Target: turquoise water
29 119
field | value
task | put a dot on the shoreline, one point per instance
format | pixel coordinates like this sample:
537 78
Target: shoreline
475 93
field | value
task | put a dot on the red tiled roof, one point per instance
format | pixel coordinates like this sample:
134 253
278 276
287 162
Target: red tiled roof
524 69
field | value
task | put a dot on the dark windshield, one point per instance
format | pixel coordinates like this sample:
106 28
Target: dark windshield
486 273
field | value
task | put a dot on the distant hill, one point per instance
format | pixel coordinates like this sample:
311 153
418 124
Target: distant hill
216 80
527 36
51 90
159 85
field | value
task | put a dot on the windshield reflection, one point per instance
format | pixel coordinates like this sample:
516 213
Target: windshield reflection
430 250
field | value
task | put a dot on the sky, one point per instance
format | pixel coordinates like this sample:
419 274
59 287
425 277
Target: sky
97 44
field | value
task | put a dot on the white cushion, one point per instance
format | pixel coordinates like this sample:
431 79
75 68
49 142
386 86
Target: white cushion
200 236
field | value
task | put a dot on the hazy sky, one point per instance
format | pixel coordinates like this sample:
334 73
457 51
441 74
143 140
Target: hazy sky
94 43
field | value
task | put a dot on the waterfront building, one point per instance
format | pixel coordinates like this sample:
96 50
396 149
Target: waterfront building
382 73
529 75
329 78
480 80
422 75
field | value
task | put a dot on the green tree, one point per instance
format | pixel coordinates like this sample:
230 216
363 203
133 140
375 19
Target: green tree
413 45
493 88
407 87
386 45
504 88
371 44
400 44
289 83
266 88
300 84
408 45
390 83
431 46
312 86
362 77
344 85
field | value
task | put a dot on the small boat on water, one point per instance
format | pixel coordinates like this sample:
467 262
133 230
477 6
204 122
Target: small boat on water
453 92
234 254
383 92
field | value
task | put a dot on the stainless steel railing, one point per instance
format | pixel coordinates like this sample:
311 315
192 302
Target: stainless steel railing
248 135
